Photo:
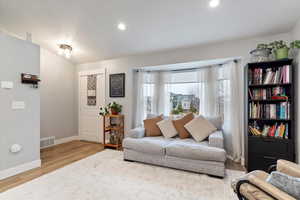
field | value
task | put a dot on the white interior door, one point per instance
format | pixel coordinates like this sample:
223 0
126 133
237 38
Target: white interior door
91 98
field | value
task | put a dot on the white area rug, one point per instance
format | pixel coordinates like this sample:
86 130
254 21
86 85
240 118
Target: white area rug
106 176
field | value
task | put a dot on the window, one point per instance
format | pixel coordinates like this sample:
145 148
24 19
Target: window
183 97
174 93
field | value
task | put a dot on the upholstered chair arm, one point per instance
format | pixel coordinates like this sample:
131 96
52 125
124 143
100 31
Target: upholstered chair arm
269 189
136 133
289 168
216 139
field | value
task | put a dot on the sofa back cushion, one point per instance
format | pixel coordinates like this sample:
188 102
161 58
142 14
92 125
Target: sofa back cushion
216 121
151 128
179 125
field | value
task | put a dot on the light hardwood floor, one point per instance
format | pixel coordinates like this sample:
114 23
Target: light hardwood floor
54 158
61 155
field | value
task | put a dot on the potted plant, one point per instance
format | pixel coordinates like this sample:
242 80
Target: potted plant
280 49
261 53
115 108
112 108
295 46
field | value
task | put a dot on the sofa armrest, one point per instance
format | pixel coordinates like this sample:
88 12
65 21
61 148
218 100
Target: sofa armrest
136 133
289 168
269 189
216 139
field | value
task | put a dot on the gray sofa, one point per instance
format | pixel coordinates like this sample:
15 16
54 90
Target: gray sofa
186 154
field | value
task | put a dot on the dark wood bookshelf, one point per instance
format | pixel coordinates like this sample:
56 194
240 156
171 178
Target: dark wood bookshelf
263 151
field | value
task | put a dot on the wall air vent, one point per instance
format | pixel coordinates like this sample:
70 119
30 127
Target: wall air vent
47 142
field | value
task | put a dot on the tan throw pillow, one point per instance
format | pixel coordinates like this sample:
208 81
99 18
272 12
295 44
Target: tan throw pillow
151 128
200 128
179 125
167 128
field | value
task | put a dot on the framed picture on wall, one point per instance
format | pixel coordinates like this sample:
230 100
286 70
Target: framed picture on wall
117 85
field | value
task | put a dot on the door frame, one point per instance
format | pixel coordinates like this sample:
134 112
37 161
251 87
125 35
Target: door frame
86 73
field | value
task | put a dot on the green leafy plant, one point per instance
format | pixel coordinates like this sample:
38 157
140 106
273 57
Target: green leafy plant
278 45
262 46
113 108
104 111
193 109
178 110
175 112
295 44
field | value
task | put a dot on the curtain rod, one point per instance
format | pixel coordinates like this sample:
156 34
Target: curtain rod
186 69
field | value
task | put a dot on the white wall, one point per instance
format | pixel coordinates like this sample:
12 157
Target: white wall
58 100
296 36
18 126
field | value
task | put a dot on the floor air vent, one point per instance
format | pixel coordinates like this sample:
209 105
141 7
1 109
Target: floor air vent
47 142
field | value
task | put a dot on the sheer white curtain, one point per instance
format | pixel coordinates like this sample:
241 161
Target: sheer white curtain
208 91
148 90
233 107
140 104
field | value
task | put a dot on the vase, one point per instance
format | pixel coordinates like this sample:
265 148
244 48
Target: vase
282 53
114 111
260 55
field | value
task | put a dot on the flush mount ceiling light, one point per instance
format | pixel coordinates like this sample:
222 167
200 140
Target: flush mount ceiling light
122 26
65 49
214 3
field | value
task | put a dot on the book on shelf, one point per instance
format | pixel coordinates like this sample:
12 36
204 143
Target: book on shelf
269 111
272 131
276 93
280 75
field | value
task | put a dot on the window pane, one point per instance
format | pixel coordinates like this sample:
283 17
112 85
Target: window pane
91 90
184 98
149 95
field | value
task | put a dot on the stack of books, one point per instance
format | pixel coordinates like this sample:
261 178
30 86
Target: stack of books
276 131
268 93
269 111
259 76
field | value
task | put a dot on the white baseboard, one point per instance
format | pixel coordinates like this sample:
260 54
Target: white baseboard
65 140
19 169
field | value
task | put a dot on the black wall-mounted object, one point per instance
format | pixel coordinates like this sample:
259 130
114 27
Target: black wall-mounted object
117 85
260 151
30 79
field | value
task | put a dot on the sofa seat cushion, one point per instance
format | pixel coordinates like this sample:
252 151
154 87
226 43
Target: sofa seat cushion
190 149
149 145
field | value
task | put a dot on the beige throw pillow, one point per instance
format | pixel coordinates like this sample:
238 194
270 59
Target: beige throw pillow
200 128
167 128
151 129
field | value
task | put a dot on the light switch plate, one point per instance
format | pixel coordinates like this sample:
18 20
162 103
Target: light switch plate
18 105
7 84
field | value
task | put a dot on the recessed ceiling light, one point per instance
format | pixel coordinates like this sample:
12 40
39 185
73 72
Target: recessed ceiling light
122 26
214 3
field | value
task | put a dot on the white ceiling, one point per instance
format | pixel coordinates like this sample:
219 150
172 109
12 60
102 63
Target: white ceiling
153 25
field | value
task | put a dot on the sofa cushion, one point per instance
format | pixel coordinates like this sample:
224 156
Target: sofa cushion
167 128
200 128
179 125
190 149
151 128
149 145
